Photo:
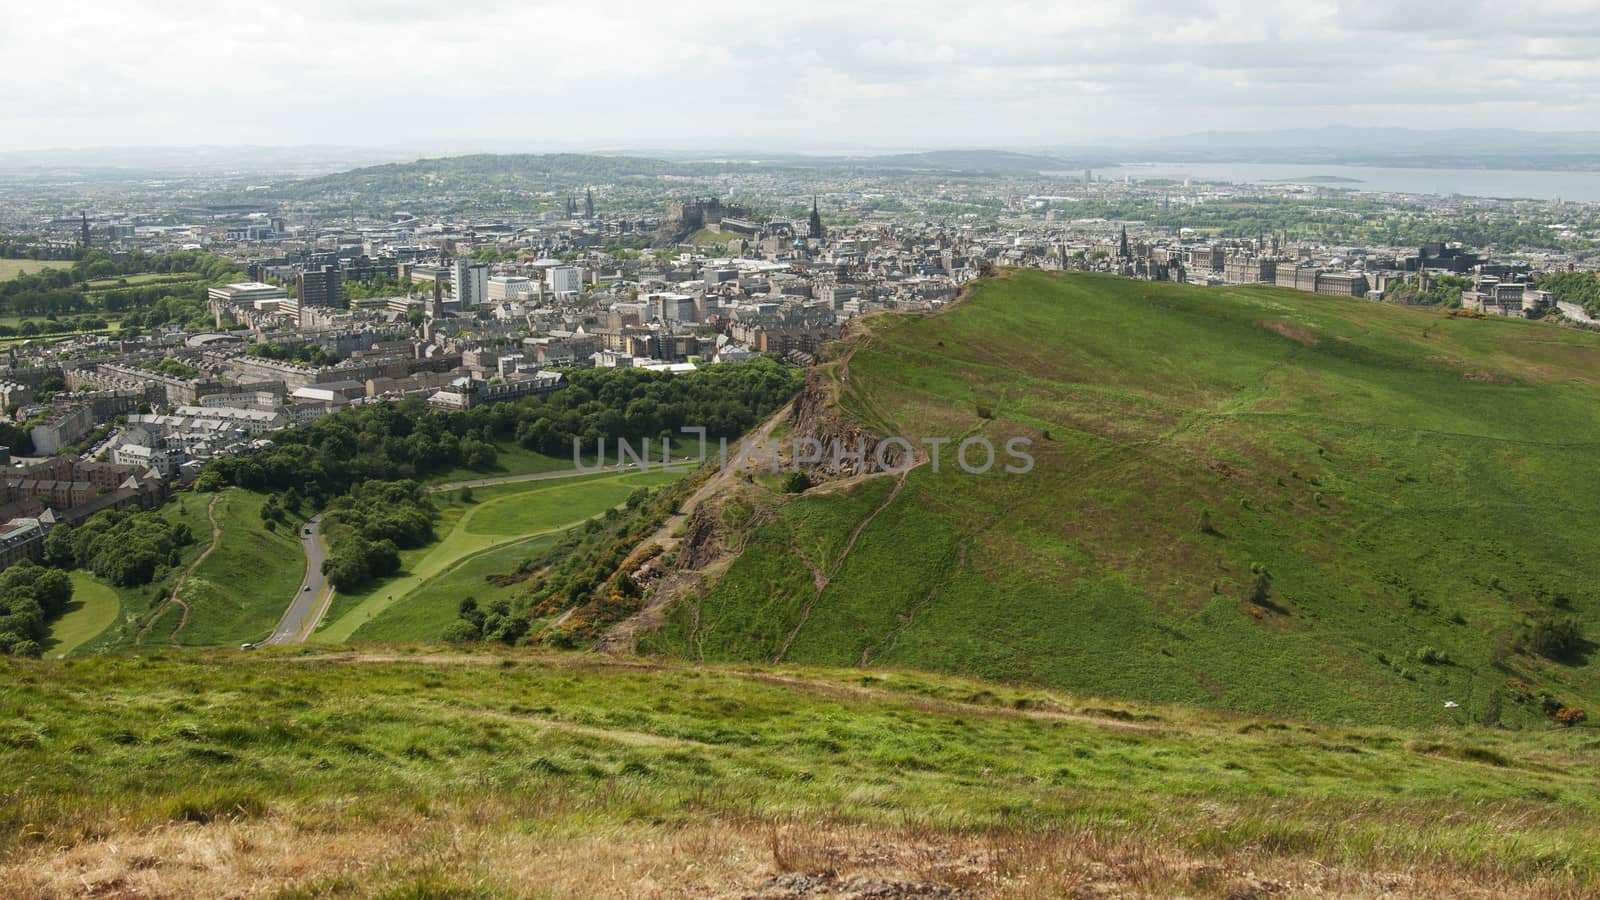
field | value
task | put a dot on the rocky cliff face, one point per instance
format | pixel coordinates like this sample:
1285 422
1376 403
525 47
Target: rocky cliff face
846 448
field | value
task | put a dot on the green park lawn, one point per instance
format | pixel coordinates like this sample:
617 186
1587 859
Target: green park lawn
425 612
94 608
236 595
11 268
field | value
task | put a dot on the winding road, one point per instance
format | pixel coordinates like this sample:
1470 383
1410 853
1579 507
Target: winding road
311 603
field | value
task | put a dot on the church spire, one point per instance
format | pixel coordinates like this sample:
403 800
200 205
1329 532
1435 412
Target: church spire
815 229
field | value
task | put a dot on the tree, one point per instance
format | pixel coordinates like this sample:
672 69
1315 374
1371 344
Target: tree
796 482
30 597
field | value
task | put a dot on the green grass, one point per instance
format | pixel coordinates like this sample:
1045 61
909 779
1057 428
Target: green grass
11 268
423 773
240 591
1408 480
498 515
94 608
511 458
236 595
143 280
425 612
708 238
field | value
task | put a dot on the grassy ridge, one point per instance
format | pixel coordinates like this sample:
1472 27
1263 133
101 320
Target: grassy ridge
1409 483
338 773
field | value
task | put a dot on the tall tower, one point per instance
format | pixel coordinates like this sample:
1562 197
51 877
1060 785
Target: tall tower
83 237
436 308
815 230
572 208
588 203
1122 249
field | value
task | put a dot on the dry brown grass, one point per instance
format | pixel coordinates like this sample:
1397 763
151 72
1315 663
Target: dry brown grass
796 859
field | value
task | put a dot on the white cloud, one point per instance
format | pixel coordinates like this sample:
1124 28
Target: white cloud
820 73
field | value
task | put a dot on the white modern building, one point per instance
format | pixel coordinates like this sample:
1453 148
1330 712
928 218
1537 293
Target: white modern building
564 279
509 287
470 282
246 293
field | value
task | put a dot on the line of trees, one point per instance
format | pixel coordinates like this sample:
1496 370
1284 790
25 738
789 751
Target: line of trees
310 354
406 440
67 291
1445 290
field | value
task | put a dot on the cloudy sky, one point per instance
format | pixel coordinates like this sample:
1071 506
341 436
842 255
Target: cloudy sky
807 74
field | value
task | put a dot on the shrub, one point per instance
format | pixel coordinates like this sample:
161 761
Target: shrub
1430 656
1570 715
1260 587
796 482
1555 638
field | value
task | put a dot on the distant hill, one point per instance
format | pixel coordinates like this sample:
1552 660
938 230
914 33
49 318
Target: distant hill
1497 148
972 162
488 172
1246 498
134 162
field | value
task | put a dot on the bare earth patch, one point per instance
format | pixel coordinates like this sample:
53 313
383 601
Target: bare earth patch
1293 332
420 856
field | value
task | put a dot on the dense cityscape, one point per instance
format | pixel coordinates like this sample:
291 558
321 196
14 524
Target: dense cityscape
321 311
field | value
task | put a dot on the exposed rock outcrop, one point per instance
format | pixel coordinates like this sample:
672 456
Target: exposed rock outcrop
845 447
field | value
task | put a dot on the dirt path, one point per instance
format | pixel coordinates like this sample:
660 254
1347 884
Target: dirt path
177 587
623 636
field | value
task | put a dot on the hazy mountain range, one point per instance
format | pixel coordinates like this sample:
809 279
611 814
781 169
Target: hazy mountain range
1482 148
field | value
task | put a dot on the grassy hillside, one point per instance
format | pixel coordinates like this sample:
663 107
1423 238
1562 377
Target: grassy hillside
235 593
413 773
1393 496
416 604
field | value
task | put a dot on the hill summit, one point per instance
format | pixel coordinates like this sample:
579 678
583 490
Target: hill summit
1243 498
